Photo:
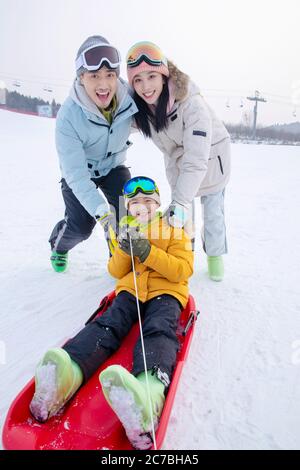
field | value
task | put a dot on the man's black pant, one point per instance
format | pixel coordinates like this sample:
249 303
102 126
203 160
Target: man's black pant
102 337
78 224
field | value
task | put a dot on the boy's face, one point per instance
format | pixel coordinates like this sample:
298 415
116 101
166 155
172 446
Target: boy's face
143 208
101 86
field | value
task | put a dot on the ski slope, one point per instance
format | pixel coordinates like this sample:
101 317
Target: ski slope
241 385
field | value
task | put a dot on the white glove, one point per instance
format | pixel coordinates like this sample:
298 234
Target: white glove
176 215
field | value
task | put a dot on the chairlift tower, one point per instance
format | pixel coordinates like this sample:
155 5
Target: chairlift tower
2 93
255 98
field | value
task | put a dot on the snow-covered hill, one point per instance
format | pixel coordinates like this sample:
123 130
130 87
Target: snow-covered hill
240 388
292 127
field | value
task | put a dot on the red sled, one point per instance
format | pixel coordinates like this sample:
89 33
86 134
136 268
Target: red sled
87 422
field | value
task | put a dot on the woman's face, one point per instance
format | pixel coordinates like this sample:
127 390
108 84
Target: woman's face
149 85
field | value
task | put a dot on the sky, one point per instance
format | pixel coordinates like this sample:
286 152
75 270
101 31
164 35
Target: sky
229 48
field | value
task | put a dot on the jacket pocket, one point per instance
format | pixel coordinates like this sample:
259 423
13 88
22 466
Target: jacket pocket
92 164
113 154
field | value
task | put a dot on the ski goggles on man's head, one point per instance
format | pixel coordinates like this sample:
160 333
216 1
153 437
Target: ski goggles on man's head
94 57
145 52
139 184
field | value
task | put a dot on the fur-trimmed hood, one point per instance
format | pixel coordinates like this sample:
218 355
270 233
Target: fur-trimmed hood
195 142
182 86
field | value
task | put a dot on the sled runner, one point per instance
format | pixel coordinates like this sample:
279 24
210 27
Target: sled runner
87 422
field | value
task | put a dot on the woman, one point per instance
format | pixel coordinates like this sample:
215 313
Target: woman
195 144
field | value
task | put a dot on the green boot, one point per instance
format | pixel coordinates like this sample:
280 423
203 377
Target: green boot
57 378
127 395
59 261
215 268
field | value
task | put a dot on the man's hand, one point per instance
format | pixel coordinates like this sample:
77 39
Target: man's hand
108 223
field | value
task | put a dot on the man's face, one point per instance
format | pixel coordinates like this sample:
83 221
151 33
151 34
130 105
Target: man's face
100 86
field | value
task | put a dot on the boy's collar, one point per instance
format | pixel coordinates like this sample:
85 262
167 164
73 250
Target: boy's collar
132 222
157 216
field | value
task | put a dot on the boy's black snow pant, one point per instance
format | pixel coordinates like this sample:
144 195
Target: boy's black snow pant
78 224
100 338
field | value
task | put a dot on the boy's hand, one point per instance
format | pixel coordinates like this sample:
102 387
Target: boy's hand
176 215
140 245
140 248
132 231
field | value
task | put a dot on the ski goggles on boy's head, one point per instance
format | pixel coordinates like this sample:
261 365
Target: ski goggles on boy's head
94 57
145 52
139 184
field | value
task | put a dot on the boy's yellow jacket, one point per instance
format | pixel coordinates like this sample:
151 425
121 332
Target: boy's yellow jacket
165 271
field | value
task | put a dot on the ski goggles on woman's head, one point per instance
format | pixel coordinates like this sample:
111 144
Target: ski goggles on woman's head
145 52
139 184
93 57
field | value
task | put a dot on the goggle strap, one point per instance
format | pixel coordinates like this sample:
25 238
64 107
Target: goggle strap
79 62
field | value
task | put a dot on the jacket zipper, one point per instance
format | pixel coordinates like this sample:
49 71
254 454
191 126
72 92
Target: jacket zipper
171 114
98 124
221 166
123 111
118 114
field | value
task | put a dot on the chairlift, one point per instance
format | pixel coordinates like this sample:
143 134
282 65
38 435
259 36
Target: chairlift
227 104
295 112
16 83
48 89
241 104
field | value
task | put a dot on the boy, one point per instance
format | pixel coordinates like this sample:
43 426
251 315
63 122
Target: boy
163 262
92 130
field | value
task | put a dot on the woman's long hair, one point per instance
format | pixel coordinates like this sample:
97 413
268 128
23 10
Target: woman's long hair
144 115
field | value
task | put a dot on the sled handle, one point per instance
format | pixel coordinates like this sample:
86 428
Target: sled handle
192 318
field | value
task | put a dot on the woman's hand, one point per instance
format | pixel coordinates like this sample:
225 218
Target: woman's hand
176 215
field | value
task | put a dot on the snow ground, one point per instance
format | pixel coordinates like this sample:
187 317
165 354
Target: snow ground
241 385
